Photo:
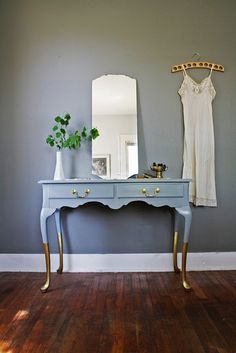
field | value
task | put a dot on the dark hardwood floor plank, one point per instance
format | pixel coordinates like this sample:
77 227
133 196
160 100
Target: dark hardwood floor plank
118 313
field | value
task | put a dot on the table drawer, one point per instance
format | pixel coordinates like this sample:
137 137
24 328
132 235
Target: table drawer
145 190
74 191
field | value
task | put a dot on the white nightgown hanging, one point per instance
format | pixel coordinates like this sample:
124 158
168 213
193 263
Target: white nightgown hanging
199 156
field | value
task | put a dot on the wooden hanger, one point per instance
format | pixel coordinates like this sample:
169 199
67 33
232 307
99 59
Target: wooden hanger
197 65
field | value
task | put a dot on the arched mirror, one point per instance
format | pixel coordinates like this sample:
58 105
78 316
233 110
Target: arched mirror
114 114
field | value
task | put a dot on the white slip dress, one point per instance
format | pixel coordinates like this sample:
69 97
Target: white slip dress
199 146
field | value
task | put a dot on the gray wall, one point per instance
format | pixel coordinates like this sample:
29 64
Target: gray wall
50 52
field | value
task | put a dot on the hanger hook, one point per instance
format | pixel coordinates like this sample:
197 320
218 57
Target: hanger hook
197 55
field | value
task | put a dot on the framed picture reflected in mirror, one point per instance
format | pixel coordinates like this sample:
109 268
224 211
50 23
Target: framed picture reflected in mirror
101 165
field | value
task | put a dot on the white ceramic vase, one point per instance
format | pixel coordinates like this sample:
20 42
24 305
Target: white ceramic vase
59 173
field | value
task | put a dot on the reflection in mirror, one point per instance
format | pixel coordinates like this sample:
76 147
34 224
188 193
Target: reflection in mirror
114 114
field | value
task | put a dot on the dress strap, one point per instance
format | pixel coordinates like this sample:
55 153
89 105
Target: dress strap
184 71
211 71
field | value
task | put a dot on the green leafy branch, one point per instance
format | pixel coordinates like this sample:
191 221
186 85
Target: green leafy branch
61 138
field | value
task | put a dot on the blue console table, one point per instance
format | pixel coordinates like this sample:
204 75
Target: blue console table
115 194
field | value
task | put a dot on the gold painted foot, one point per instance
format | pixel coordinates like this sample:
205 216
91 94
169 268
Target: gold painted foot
184 259
45 287
186 285
175 251
60 244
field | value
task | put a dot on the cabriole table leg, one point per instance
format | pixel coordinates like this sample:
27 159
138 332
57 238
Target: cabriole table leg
60 245
175 252
45 287
184 260
45 213
60 241
187 214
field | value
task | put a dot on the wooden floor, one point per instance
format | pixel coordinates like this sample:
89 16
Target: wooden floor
118 312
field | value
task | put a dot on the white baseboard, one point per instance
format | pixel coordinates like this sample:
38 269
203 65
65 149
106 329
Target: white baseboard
118 262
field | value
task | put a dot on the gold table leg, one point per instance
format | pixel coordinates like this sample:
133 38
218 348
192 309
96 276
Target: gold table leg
184 259
45 287
60 244
175 250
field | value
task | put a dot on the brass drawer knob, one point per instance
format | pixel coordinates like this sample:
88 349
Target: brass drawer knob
74 192
144 191
87 192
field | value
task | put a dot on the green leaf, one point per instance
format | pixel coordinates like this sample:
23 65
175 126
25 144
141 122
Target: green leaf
58 134
52 143
94 133
78 141
67 117
58 119
84 133
63 131
65 144
55 128
73 140
63 122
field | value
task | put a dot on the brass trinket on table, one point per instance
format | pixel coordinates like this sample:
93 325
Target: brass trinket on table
159 168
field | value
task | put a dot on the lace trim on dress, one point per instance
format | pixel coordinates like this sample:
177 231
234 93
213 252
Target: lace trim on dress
197 87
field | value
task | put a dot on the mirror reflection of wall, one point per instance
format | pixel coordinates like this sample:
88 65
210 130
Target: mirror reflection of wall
114 113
